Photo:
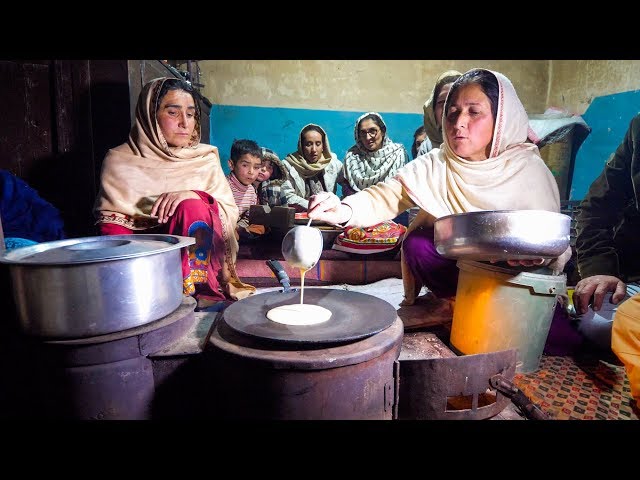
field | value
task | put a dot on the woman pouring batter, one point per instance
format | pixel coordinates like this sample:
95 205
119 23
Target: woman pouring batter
163 180
484 163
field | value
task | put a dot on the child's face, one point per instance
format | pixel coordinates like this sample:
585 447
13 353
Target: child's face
246 168
265 171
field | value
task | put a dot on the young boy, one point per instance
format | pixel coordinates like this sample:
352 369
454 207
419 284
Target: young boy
270 179
245 162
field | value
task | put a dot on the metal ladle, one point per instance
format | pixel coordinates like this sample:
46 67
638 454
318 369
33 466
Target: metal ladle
302 246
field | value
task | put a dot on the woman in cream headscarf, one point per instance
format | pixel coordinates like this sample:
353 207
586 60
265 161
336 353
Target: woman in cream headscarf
312 168
163 180
485 163
373 158
433 109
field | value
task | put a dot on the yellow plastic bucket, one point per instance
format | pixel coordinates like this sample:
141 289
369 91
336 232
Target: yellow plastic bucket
500 308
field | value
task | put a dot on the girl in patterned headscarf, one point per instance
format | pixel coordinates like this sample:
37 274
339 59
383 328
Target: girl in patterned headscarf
374 158
163 180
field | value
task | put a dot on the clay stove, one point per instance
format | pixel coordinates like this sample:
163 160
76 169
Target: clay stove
105 377
345 368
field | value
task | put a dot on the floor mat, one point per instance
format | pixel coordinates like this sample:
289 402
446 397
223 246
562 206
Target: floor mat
586 388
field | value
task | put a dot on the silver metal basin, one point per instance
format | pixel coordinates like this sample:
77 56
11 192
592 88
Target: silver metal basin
498 235
92 286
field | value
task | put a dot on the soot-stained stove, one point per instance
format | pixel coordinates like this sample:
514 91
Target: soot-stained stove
106 377
344 368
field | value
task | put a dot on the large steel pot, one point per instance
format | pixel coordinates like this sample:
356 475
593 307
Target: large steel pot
498 235
90 286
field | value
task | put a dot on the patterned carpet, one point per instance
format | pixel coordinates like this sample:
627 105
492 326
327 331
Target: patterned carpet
579 388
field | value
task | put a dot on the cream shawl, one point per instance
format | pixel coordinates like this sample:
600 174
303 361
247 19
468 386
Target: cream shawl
433 132
441 183
513 177
135 173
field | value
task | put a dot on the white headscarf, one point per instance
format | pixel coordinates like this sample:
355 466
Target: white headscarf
513 177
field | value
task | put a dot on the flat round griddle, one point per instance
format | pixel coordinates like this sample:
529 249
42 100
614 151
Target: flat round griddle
354 316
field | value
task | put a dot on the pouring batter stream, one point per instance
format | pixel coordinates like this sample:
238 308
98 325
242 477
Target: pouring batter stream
301 248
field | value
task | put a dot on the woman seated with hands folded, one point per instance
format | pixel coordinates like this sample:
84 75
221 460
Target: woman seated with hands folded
484 163
164 181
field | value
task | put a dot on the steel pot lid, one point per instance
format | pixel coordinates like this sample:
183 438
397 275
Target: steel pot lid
354 316
94 249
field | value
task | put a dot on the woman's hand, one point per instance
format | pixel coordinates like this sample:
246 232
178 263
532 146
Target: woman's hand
555 264
597 286
165 206
525 263
538 262
326 207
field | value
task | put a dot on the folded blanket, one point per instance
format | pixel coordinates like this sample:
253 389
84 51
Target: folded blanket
25 214
553 125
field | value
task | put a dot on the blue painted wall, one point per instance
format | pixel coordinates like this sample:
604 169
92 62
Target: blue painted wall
609 117
278 128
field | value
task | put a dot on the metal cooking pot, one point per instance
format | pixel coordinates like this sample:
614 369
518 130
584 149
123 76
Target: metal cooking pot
498 235
90 286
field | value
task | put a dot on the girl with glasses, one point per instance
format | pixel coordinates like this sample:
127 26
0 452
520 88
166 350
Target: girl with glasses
373 158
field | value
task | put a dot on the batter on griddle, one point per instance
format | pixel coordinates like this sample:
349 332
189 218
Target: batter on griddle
299 313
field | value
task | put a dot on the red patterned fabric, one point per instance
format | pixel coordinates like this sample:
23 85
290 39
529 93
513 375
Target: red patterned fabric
377 238
569 388
201 262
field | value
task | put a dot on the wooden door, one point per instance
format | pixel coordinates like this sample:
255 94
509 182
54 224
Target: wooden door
61 118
